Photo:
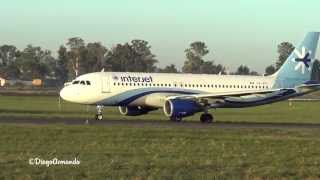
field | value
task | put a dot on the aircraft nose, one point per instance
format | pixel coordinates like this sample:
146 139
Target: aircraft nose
65 94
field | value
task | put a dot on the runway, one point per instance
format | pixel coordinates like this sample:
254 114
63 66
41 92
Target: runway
150 123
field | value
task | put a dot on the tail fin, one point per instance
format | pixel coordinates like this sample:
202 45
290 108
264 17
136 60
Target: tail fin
298 67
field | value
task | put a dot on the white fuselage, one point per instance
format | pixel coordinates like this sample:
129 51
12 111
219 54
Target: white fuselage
151 89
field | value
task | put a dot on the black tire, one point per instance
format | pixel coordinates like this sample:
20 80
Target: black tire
99 117
206 118
176 119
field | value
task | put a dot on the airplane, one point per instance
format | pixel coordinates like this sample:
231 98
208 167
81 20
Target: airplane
181 95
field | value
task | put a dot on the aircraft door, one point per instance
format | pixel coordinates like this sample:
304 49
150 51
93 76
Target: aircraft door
105 84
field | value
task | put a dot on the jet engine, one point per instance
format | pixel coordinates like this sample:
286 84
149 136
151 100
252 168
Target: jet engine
134 110
181 107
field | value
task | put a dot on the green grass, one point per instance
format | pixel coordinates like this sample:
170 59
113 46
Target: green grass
172 153
168 152
48 107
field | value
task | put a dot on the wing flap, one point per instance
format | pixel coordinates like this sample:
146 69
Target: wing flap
224 94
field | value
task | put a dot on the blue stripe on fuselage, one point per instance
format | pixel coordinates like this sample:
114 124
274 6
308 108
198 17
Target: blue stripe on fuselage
127 97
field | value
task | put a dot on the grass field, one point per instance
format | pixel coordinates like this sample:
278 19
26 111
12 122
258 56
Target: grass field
48 107
171 153
152 152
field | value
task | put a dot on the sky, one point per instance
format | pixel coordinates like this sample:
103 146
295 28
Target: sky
236 31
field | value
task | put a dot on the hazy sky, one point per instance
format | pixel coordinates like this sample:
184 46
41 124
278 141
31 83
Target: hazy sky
236 32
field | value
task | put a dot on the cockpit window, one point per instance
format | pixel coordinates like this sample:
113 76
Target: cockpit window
83 82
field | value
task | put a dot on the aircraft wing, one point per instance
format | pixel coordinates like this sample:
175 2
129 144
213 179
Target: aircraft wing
224 94
248 98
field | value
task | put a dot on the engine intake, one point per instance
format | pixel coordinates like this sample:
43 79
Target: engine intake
181 107
134 110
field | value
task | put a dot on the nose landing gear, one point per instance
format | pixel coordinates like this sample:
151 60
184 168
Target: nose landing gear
99 115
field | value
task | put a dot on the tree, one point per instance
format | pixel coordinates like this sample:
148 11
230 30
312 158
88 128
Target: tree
270 70
169 69
7 54
284 50
195 62
61 70
8 66
134 57
208 67
76 45
243 70
194 55
118 58
254 73
94 57
34 62
144 60
10 71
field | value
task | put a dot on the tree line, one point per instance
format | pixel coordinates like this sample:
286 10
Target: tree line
77 57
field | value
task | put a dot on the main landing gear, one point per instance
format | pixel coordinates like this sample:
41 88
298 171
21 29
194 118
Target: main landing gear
176 119
206 118
99 115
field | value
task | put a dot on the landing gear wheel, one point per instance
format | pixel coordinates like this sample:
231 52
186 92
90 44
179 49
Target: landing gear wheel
99 115
176 119
206 118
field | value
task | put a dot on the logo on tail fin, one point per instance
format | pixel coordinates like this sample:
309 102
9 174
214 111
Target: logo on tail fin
303 60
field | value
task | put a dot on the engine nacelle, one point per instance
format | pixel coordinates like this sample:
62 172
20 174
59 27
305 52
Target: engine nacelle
134 110
181 107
